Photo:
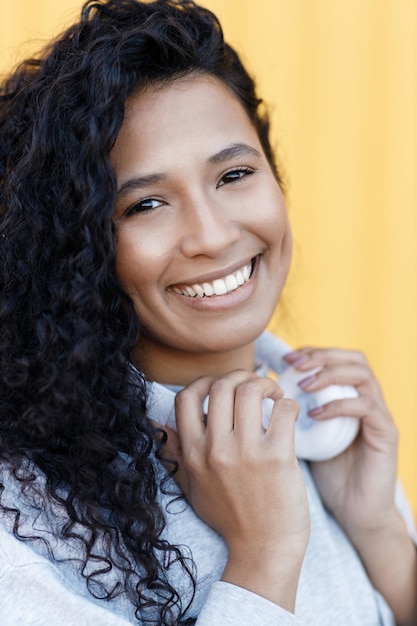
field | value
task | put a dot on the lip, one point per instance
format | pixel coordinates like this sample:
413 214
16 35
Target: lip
229 300
220 274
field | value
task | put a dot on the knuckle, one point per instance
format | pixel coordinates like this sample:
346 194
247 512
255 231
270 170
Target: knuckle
182 397
309 349
288 406
368 404
219 458
367 373
281 459
360 356
219 386
249 387
230 381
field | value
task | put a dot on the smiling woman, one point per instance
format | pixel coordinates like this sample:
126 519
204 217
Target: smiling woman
196 204
145 244
341 81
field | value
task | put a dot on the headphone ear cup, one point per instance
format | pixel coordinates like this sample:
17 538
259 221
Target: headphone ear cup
314 440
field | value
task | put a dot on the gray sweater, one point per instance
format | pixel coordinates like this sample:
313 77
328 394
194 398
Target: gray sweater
333 587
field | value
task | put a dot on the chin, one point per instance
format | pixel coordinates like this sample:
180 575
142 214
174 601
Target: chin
229 341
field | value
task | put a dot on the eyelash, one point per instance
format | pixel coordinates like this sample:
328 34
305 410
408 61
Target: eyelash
241 172
139 207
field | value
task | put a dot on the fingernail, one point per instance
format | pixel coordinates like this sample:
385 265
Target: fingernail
307 381
300 361
290 356
295 359
316 411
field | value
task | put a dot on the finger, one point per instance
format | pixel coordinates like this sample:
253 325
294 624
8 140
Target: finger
281 429
350 407
309 357
221 409
189 411
191 422
363 407
356 375
378 427
248 405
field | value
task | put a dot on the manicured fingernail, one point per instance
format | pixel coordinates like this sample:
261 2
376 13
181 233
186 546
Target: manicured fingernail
300 361
307 381
295 359
316 411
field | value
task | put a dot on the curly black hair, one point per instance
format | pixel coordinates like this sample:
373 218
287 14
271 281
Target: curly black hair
70 404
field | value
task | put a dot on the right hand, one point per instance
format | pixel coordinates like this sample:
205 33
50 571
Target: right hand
245 481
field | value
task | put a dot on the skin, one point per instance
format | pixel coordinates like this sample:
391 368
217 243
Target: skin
197 200
358 486
216 208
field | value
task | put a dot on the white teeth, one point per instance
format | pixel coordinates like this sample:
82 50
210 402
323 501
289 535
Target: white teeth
199 290
208 289
231 282
240 278
219 286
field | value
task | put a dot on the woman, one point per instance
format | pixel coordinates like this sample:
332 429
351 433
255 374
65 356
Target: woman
144 237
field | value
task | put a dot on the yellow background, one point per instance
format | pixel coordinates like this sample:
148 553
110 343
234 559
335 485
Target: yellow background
340 79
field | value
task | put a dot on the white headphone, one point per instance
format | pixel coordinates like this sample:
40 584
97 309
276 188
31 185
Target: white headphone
314 440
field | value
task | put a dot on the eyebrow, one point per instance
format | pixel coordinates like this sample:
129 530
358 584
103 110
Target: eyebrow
235 150
139 182
232 151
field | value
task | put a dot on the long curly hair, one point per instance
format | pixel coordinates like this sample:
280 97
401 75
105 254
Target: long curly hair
70 404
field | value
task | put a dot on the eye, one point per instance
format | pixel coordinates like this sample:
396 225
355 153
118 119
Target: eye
144 206
235 175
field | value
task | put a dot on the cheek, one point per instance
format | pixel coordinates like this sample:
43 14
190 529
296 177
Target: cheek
130 258
141 262
275 224
278 237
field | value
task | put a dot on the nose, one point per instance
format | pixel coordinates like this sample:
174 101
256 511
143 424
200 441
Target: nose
209 228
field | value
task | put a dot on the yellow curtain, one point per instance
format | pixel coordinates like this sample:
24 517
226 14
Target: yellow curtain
340 81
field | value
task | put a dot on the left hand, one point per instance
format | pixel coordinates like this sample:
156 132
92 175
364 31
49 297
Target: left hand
358 485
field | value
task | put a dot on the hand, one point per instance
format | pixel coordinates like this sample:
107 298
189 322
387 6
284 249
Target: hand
358 486
243 481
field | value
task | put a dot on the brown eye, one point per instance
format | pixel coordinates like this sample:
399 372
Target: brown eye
144 206
234 175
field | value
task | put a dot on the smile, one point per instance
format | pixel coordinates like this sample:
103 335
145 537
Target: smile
219 286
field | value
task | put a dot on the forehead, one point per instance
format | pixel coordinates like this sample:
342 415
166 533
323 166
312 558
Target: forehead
195 115
196 89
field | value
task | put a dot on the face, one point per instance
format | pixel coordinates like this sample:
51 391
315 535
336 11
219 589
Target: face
203 240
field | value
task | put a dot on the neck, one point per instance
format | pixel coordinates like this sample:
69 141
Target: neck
169 366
